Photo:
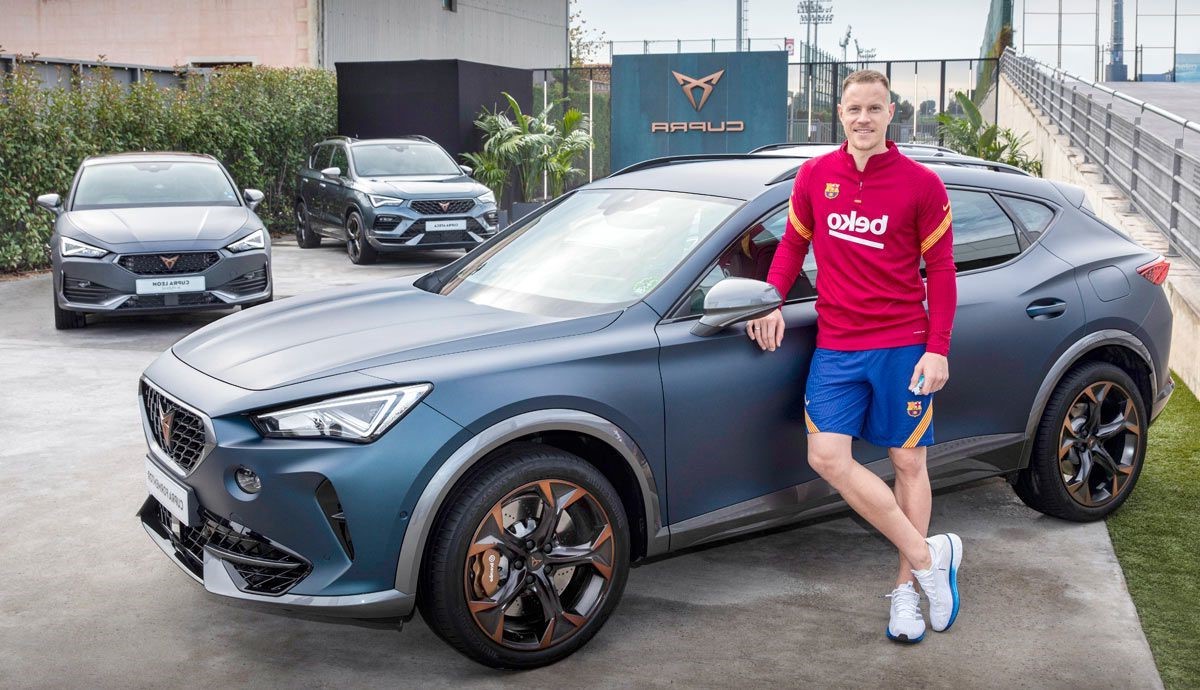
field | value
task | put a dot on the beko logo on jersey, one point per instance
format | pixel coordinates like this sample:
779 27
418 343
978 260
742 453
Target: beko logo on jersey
852 222
855 223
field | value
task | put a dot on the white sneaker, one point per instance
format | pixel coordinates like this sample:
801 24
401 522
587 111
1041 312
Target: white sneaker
906 624
940 582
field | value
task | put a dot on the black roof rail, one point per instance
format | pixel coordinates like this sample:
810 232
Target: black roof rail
800 144
685 158
969 162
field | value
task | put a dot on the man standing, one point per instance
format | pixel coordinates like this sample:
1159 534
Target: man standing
871 215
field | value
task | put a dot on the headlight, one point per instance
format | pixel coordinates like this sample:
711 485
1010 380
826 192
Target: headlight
362 417
488 197
378 201
255 240
70 247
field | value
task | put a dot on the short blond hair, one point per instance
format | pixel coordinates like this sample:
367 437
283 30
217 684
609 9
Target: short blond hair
866 76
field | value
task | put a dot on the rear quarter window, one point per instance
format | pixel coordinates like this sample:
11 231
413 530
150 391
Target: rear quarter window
1035 216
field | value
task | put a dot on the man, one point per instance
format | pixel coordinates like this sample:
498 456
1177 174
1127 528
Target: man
871 215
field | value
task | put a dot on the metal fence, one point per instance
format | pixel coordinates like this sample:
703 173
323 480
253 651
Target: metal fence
1130 140
55 73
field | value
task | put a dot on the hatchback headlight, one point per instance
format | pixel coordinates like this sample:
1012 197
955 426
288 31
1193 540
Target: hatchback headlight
255 240
70 247
488 197
362 417
377 200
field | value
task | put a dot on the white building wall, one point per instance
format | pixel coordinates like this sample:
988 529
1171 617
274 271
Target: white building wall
510 33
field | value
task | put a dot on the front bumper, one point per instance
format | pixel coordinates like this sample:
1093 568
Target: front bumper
105 286
330 517
402 229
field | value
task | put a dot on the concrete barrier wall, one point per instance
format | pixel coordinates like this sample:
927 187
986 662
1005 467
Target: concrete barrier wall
1061 161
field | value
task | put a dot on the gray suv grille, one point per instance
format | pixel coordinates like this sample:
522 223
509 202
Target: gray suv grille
178 431
442 207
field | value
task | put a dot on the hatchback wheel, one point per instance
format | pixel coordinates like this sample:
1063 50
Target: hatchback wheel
528 560
1089 447
357 246
65 319
305 237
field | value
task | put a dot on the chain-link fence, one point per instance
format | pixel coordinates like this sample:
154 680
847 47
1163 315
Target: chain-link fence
1144 150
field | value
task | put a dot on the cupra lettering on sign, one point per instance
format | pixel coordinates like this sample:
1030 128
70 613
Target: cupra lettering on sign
706 86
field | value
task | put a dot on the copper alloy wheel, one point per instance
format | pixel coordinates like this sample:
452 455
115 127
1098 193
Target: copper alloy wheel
1098 443
540 565
352 233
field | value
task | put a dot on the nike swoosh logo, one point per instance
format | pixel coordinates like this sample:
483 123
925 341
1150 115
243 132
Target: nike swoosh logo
946 207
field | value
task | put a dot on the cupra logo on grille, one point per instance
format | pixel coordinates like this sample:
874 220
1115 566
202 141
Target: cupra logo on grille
445 205
690 85
169 261
706 86
165 421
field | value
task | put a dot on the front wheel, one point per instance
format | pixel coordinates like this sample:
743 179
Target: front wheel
65 319
528 560
358 248
1089 447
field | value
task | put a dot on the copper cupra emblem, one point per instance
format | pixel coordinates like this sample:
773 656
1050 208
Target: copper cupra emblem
169 261
445 205
705 84
165 421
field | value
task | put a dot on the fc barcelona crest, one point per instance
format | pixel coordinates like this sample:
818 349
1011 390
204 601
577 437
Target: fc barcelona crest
831 190
914 408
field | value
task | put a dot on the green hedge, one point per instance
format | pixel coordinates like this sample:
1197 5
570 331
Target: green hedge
260 122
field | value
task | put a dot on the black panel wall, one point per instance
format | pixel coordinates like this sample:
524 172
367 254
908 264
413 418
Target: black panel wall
437 98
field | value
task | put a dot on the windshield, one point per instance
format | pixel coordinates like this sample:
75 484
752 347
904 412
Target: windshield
390 160
121 185
596 251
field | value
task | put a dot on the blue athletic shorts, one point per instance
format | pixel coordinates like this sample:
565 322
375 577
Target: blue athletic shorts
865 394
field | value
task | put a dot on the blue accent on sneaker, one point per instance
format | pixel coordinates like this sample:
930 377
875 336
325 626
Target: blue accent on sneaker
902 639
953 587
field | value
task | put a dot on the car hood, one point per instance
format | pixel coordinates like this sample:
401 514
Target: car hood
178 223
348 329
426 186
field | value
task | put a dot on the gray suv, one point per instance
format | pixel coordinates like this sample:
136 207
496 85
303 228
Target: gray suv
390 195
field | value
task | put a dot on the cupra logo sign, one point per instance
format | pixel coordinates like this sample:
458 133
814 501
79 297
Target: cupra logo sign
706 86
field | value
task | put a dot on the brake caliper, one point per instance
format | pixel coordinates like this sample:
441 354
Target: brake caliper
487 573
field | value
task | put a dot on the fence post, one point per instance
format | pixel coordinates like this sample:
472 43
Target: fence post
1133 164
1107 139
1087 149
1173 217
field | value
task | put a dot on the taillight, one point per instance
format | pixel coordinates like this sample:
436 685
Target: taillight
1155 271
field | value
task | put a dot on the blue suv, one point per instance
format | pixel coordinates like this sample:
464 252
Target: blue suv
390 195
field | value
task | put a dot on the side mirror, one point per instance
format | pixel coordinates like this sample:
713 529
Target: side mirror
51 202
734 300
332 173
467 170
253 198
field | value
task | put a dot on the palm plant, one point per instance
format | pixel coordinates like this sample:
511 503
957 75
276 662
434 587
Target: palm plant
529 146
571 137
972 136
492 165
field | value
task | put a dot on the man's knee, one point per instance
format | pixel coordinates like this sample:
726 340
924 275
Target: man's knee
829 460
908 462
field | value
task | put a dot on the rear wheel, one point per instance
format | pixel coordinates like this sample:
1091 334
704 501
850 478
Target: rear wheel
65 319
1089 447
528 560
305 236
357 246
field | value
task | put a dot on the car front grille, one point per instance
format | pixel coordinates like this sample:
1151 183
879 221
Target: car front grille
177 431
442 207
183 299
168 263
248 284
438 236
263 567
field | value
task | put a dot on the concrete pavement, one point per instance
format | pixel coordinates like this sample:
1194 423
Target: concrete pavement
87 601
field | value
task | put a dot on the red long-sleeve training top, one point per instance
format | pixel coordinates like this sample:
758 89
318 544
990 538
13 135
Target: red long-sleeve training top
868 231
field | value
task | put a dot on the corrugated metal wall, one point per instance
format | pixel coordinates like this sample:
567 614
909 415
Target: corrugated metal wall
510 33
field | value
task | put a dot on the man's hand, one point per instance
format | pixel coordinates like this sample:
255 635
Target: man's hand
767 331
936 370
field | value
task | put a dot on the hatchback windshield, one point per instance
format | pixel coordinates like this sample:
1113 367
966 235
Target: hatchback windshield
597 251
389 160
121 185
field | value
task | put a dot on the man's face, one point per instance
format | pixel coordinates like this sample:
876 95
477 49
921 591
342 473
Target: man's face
865 111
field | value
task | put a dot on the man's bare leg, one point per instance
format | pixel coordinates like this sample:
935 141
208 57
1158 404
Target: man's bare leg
868 495
913 495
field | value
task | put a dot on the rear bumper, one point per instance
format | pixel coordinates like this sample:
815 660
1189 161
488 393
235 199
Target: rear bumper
1161 400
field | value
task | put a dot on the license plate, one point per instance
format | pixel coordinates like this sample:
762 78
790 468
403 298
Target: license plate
175 497
436 225
159 286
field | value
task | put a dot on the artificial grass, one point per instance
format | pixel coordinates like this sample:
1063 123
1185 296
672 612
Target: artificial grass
1156 535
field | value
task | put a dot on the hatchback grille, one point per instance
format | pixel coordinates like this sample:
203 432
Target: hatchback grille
442 207
178 431
169 263
264 568
186 299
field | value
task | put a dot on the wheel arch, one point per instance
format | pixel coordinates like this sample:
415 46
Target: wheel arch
1116 347
598 441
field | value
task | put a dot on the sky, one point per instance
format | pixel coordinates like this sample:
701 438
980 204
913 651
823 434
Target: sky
909 29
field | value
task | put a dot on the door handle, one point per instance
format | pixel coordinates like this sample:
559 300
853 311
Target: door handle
1049 308
322 185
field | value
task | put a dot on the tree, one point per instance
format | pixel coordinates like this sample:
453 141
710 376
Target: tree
583 42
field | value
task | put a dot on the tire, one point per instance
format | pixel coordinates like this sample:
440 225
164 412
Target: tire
511 488
65 319
305 236
357 247
1097 417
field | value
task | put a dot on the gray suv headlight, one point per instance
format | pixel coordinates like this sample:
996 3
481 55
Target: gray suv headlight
488 197
362 417
70 247
377 200
255 240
